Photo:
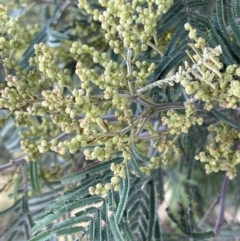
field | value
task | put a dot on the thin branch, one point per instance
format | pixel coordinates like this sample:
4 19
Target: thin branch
157 49
220 217
215 202
129 70
13 163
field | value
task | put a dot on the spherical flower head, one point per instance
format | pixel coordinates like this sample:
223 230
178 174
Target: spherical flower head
230 69
237 72
192 34
187 26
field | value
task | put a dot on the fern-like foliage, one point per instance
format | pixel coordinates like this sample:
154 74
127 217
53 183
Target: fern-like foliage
91 216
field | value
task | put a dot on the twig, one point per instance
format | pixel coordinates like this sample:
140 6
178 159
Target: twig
215 202
12 163
129 70
155 48
220 217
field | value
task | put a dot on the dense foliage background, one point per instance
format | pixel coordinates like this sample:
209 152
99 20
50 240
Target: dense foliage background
119 120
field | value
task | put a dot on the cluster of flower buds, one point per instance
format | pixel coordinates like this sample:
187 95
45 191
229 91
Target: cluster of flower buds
224 155
178 123
204 78
103 189
120 20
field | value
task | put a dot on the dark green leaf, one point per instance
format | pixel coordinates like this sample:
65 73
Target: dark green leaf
16 186
135 167
203 236
71 222
69 231
42 236
97 167
221 117
152 207
115 229
98 229
139 155
91 232
123 197
34 176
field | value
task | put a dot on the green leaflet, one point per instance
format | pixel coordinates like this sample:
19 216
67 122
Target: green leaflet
202 236
171 12
92 169
142 210
57 205
104 211
158 231
47 219
88 201
34 176
69 231
195 3
134 225
227 56
104 216
126 228
40 217
123 197
221 18
171 23
87 211
79 191
134 208
236 8
91 230
98 229
185 227
136 167
111 201
232 22
144 222
175 60
105 235
160 186
26 211
115 229
158 70
219 116
42 236
58 212
142 231
70 222
180 33
152 207
139 155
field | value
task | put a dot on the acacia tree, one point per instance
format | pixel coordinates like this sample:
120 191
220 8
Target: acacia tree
106 105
